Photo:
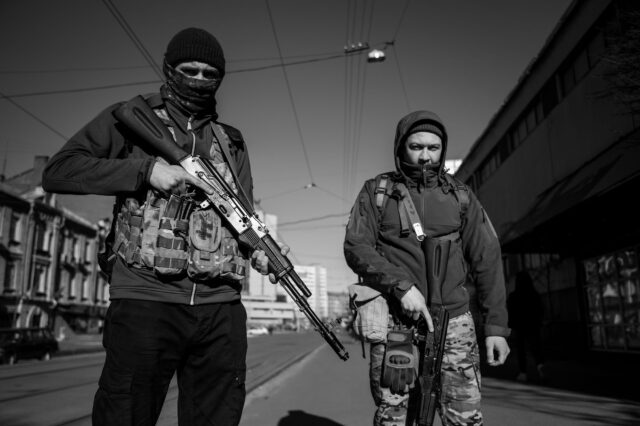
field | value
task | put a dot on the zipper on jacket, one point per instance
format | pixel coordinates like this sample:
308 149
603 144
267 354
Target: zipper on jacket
193 295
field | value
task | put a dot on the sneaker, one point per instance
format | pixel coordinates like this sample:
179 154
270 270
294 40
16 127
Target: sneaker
521 377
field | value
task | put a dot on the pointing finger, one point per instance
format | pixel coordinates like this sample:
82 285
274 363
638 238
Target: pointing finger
427 317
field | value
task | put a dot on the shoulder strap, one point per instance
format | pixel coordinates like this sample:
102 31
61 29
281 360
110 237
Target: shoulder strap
408 213
381 190
224 143
461 192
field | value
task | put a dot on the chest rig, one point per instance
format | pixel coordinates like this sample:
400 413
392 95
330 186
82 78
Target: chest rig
172 235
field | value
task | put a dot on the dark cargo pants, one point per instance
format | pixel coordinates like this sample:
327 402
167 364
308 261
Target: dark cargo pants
147 342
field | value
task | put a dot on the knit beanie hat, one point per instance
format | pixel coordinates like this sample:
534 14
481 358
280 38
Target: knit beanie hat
195 44
426 127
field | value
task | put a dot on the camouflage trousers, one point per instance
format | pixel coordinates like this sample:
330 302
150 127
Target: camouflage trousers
460 396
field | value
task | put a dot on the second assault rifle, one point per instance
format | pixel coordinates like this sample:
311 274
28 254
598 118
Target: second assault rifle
432 345
251 231
431 352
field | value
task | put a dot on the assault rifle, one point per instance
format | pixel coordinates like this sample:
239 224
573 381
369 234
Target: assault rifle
432 345
251 231
431 350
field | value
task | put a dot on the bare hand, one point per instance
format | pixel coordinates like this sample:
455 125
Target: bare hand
413 304
174 179
260 262
496 345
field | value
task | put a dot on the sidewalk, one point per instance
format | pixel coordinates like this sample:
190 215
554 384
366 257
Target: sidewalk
324 391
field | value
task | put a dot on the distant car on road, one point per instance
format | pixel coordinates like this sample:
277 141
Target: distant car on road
23 343
257 331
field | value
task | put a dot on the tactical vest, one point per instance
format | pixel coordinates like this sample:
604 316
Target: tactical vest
172 235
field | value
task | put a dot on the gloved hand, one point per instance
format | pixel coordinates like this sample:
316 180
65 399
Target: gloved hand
400 367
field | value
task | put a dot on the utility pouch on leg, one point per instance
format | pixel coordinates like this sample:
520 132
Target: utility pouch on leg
400 367
371 313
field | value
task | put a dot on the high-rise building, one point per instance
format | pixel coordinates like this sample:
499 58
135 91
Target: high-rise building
315 277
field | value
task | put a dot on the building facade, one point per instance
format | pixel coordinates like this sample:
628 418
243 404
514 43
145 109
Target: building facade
555 169
315 277
47 260
267 303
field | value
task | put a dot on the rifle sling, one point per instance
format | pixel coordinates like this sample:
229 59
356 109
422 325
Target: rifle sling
224 142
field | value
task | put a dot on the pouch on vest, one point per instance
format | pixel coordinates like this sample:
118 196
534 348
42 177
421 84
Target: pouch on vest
213 251
128 237
171 242
371 313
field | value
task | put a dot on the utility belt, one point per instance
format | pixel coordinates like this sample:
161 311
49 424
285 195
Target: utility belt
173 236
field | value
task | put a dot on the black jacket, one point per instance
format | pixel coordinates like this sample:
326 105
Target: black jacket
392 262
105 158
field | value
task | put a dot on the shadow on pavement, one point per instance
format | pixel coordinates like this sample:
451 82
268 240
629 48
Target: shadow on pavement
299 417
568 405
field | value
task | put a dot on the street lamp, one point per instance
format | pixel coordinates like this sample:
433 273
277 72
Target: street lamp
375 55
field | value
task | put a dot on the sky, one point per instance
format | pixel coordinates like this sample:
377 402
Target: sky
316 128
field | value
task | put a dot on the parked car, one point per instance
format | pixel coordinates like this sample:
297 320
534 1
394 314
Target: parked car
257 331
23 343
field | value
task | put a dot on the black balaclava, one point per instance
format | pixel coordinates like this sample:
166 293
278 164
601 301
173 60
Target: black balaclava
194 96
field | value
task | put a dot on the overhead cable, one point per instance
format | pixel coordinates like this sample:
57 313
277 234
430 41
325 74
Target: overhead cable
313 219
293 105
133 37
35 117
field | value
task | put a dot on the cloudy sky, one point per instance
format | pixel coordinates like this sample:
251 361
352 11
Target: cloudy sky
316 128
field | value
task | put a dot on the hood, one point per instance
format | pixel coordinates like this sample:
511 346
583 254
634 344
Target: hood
405 124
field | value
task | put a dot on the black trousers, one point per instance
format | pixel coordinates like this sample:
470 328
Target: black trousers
147 342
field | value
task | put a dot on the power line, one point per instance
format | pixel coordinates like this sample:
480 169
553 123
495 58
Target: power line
404 89
286 78
404 12
317 57
139 83
133 37
82 89
32 115
313 219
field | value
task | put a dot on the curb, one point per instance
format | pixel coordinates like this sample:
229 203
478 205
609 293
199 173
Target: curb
254 390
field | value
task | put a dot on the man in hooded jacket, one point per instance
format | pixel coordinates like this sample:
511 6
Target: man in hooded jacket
392 261
174 282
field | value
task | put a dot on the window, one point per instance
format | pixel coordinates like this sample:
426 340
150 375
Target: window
3 211
581 65
85 288
568 80
522 129
595 48
10 277
73 291
549 96
612 290
87 251
15 227
76 249
40 279
531 120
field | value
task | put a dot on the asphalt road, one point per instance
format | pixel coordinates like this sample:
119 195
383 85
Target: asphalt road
60 392
293 380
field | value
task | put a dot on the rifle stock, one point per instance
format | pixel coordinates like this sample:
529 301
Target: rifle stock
142 121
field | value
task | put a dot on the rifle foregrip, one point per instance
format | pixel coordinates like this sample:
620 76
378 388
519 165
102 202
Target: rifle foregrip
280 265
141 120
